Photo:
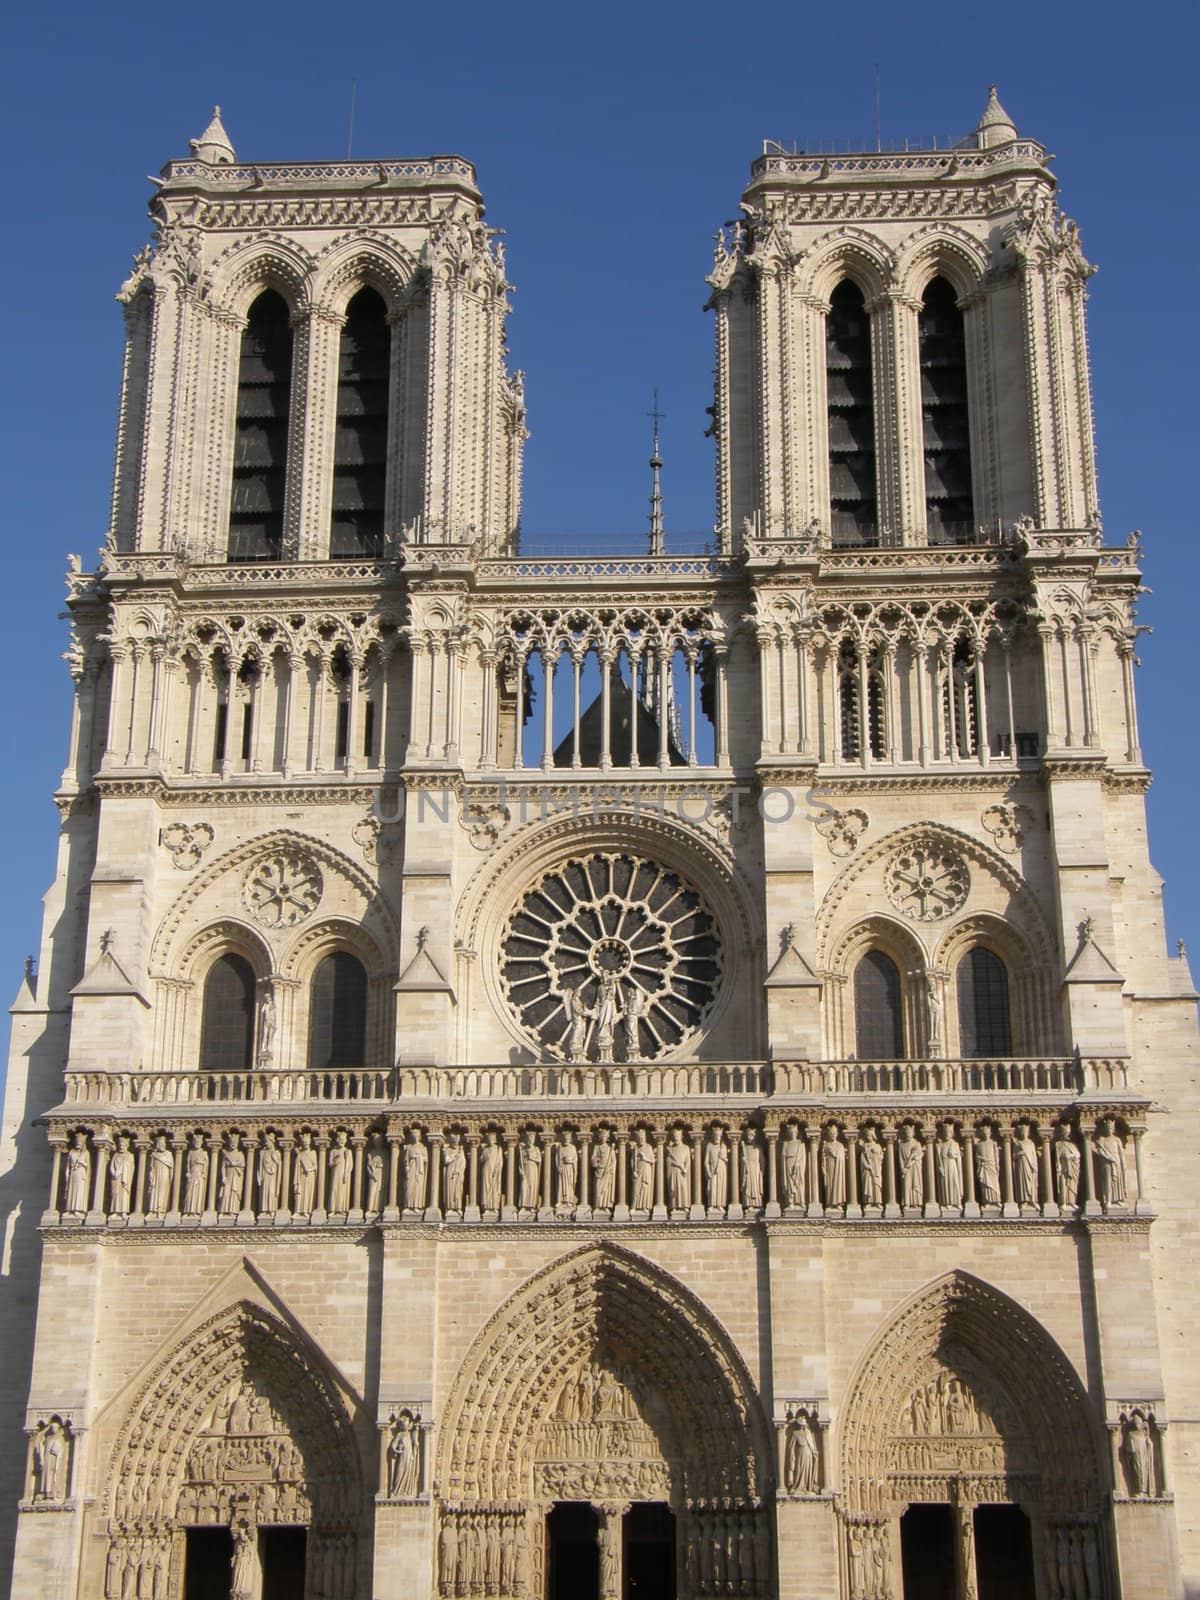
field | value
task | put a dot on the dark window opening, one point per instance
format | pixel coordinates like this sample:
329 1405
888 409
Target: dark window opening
949 507
227 1027
207 1564
927 1553
649 1554
1003 1554
851 419
261 433
222 731
337 1024
369 729
281 1553
342 736
984 1023
247 731
877 1030
360 445
573 1552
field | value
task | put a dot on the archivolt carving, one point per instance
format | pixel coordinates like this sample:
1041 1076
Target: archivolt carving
603 1331
267 261
940 248
963 1383
356 259
844 253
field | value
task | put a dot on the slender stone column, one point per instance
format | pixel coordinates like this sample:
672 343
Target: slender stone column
660 1209
509 1209
772 1208
970 1204
853 1208
932 1208
621 1207
815 1208
891 1207
395 1145
471 1213
137 1208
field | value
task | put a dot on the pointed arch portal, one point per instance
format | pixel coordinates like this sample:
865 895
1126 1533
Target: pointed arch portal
603 1382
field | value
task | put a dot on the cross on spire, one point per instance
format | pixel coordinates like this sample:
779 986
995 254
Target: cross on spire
656 517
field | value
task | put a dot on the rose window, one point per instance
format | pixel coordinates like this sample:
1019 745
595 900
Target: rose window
926 880
282 889
610 958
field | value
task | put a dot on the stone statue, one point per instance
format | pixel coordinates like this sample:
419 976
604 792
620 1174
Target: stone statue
566 1164
233 1172
947 1160
529 1167
341 1166
448 1554
404 1458
933 1005
833 1167
120 1178
373 1203
678 1163
642 1158
270 1164
491 1173
870 1168
716 1170
604 1171
637 1003
416 1171
1110 1168
802 1462
304 1177
605 1014
577 1023
48 1450
266 1029
245 1564
1139 1456
792 1159
508 1556
162 1169
909 1156
1066 1164
1025 1174
987 1167
79 1172
752 1171
195 1187
454 1173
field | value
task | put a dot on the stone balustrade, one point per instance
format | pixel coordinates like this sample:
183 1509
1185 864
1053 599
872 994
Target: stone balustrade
286 1166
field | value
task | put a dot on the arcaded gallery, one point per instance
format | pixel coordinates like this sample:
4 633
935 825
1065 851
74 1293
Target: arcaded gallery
591 1077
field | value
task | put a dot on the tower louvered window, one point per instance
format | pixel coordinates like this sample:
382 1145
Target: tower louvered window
360 449
227 1027
261 438
949 509
851 419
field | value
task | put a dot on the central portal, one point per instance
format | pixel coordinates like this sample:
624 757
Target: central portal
573 1554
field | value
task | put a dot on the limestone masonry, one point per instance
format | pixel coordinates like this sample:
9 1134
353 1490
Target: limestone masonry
603 1078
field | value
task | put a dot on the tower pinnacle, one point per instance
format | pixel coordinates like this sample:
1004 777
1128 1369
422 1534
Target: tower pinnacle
213 144
656 516
995 126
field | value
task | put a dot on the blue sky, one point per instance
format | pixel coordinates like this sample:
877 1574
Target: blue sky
610 142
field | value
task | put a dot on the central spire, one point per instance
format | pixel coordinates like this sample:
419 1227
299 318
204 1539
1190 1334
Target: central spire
656 517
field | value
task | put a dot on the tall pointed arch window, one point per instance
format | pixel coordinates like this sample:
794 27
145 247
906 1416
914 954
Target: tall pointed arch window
337 1013
984 1020
878 1034
851 418
949 507
261 433
360 446
227 1026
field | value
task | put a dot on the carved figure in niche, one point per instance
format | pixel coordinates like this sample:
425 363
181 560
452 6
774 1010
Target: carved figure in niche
120 1178
566 1165
49 1449
1066 1164
1025 1176
245 1563
404 1458
416 1171
79 1172
752 1171
233 1173
1110 1168
870 1168
802 1461
304 1177
610 1558
162 1169
373 1203
858 1562
678 1171
270 1164
947 1160
508 1556
195 1185
341 1165
604 1171
529 1169
792 1162
266 1029
577 1024
833 1167
454 1172
1138 1451
642 1157
716 1170
933 1006
491 1556
909 1158
987 1167
637 1003
606 1014
491 1172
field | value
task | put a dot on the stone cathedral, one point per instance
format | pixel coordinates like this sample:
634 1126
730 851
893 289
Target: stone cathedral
588 1078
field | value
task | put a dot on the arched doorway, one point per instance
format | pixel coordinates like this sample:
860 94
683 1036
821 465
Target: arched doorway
603 1403
969 1464
236 1469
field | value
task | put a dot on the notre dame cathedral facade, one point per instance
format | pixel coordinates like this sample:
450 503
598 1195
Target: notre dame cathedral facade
603 1079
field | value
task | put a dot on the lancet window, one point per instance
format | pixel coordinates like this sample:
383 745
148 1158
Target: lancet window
850 419
984 1021
227 1026
360 445
878 1031
960 701
261 434
337 1021
949 507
